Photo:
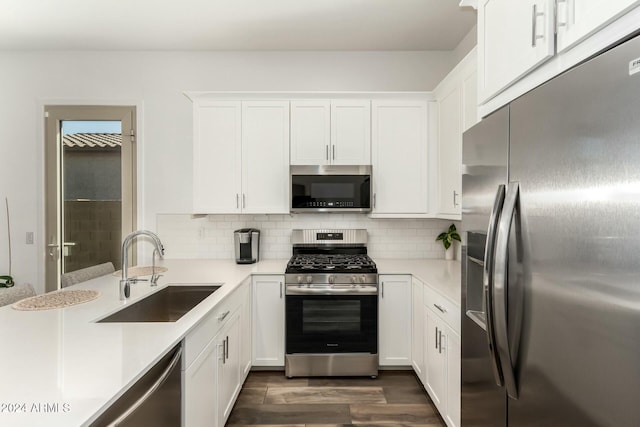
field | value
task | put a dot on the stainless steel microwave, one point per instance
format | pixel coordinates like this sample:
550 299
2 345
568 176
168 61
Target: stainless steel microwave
330 188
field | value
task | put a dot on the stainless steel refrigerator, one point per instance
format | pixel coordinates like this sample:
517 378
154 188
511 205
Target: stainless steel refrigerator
551 254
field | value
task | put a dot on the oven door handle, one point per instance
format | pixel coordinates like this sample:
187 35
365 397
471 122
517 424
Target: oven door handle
363 290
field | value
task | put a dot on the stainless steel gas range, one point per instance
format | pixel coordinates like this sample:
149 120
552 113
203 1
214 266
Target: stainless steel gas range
331 304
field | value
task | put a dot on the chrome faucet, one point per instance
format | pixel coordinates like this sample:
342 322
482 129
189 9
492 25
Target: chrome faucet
125 282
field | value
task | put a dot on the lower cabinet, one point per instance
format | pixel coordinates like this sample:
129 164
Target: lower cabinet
436 360
228 368
268 320
417 328
215 361
394 313
442 355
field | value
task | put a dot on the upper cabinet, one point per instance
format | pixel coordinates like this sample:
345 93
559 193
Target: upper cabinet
548 36
217 156
336 132
241 157
576 19
400 158
513 38
457 104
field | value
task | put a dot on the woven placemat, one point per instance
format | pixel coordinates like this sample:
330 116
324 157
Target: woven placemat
57 299
139 271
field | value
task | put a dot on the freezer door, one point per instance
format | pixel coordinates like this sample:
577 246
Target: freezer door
485 155
575 152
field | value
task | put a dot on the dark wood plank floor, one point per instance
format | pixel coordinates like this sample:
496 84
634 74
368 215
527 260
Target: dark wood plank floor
395 398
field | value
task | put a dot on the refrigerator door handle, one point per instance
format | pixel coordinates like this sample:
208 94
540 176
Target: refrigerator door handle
500 288
487 282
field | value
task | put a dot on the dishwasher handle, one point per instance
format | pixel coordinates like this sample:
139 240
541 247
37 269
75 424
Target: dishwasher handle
155 386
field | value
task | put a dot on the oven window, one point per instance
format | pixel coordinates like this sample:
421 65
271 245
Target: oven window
338 317
331 323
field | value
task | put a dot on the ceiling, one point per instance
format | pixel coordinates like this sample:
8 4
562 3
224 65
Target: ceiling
233 24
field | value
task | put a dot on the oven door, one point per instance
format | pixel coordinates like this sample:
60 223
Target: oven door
331 324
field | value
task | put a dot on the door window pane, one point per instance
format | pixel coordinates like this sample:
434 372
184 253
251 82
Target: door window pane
91 193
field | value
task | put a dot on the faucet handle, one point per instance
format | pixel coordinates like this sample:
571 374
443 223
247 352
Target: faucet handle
154 279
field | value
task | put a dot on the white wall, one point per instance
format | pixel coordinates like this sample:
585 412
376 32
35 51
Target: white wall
155 81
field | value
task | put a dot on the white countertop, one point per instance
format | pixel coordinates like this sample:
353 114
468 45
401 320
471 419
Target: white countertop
443 276
63 369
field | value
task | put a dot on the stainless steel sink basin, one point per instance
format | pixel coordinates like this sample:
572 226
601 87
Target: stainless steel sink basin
166 305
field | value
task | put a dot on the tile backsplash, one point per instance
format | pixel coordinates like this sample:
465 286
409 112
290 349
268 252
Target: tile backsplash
211 237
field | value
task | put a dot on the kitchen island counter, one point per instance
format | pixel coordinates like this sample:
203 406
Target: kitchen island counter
61 368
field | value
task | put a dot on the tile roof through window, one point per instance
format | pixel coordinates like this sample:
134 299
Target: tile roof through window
92 141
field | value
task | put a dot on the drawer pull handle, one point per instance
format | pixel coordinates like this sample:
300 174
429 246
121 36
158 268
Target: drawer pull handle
439 307
224 316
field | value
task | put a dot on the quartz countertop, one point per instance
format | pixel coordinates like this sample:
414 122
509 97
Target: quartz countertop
61 368
443 276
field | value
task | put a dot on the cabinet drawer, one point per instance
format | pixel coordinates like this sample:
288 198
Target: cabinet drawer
209 326
444 308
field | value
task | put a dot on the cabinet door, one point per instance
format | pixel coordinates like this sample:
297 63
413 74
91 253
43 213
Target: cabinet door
350 132
268 321
228 368
417 329
265 157
513 38
452 350
436 362
310 132
216 157
394 310
578 19
246 330
200 388
399 157
450 151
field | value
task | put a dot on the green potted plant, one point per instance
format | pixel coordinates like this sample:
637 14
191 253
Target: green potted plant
447 238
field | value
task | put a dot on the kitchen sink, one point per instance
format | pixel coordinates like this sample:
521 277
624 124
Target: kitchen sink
166 305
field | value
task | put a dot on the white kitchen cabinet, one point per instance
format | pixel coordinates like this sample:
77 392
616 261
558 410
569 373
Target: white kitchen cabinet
265 157
241 157
246 328
442 354
457 103
417 329
577 19
394 313
436 361
513 38
331 132
400 158
228 368
217 156
268 320
212 362
452 340
200 388
310 132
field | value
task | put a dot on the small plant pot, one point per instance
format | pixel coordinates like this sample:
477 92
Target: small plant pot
450 254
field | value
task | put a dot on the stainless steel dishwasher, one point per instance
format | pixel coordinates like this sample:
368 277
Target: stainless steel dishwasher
154 400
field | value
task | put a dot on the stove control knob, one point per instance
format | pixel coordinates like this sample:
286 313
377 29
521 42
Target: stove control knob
299 280
309 279
354 279
363 279
332 279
